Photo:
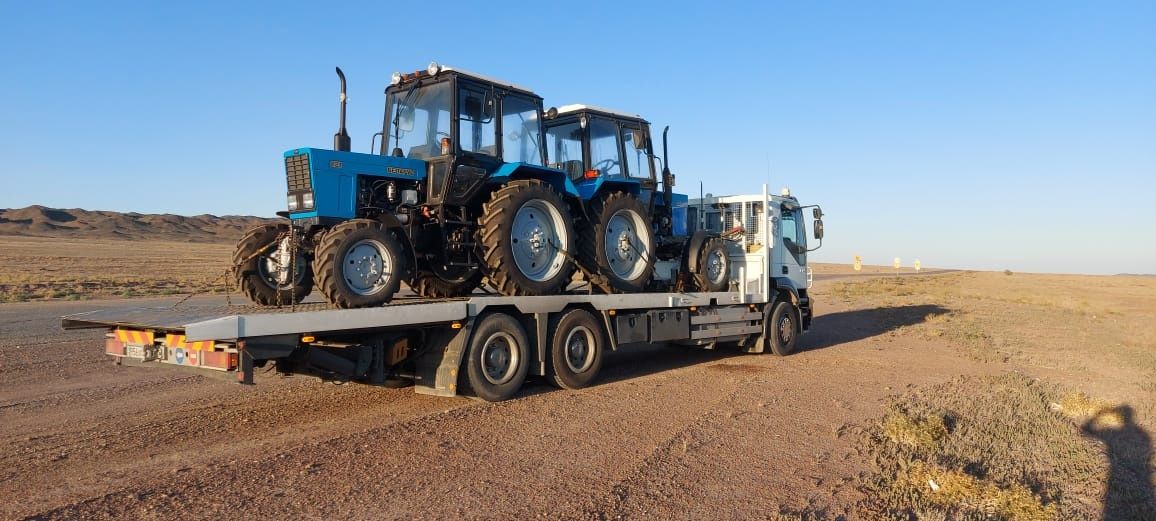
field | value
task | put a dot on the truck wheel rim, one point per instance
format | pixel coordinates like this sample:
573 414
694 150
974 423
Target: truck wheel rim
716 266
579 349
367 267
786 329
538 231
626 243
500 358
274 268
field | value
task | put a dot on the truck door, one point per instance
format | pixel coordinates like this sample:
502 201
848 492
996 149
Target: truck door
790 256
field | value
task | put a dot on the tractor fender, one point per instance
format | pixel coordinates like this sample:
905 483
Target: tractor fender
392 223
557 179
696 242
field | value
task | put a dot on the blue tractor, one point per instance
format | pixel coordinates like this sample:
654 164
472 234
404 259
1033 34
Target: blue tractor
460 191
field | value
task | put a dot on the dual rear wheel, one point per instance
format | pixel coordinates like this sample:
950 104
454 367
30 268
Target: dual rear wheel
498 354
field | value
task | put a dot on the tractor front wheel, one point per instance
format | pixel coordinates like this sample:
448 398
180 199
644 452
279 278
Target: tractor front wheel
359 264
526 233
261 263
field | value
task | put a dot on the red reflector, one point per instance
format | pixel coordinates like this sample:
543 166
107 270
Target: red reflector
217 359
591 174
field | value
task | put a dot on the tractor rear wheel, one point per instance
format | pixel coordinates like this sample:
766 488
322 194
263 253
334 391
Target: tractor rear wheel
358 264
437 283
261 265
714 266
525 234
620 244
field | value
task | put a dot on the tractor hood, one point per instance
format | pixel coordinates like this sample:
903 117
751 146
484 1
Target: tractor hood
323 183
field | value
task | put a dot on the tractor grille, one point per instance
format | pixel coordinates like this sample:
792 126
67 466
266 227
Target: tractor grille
297 171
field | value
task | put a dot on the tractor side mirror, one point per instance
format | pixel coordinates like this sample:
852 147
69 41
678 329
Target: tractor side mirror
478 109
639 139
817 213
405 119
818 227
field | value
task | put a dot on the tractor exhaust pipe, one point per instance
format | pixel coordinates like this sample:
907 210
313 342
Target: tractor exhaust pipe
667 178
341 141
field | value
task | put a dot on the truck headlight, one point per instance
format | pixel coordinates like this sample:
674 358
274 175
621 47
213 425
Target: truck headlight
307 201
292 201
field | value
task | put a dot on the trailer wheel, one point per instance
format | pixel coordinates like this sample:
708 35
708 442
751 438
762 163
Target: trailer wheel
714 266
525 234
783 329
620 244
358 264
260 272
576 351
498 358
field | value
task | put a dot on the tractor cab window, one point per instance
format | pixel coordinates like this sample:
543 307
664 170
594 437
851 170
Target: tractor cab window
417 119
477 128
564 147
521 131
638 162
604 148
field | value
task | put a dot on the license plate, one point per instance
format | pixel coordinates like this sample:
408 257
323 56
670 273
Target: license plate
134 351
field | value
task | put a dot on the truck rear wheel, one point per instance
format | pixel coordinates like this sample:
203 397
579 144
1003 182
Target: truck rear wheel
783 329
498 358
714 266
620 245
576 350
525 234
259 263
358 264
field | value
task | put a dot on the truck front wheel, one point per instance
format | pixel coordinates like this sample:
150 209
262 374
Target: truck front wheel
576 350
358 264
498 358
783 329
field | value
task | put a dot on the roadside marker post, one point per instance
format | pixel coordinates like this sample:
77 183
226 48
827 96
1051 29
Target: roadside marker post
917 265
858 263
897 265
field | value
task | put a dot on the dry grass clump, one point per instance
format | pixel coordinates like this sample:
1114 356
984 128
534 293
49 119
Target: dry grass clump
957 490
1082 408
982 448
916 432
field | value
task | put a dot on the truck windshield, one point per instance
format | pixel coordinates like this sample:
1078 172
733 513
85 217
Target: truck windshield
417 119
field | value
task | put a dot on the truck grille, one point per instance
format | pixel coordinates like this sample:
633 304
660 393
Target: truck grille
297 171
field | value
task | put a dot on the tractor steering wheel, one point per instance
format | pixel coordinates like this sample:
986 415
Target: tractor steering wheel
608 162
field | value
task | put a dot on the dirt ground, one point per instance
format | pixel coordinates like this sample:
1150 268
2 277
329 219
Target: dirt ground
1017 396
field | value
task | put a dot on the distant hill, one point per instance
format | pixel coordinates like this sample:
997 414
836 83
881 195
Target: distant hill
39 221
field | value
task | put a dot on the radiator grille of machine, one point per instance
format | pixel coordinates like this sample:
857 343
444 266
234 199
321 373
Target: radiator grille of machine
297 171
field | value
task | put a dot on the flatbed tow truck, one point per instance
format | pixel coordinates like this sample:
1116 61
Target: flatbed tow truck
484 345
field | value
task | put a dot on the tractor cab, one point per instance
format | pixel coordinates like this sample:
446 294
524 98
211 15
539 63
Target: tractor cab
595 146
465 126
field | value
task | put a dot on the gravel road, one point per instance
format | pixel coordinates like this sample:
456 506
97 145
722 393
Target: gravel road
667 433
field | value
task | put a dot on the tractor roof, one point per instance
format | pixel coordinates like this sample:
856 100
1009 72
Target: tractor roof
576 108
403 78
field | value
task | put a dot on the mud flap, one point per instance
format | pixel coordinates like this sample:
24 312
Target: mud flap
436 370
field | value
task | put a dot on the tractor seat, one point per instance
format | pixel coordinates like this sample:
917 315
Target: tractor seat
573 168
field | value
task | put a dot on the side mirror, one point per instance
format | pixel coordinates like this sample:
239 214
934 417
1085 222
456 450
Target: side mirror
638 139
405 119
817 213
818 227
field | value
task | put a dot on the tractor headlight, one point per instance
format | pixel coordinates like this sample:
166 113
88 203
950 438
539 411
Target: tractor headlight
292 201
433 69
395 79
307 201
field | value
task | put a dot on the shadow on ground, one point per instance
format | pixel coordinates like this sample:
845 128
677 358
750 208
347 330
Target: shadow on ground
1129 494
834 329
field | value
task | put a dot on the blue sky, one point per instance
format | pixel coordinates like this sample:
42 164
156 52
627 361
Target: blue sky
987 135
